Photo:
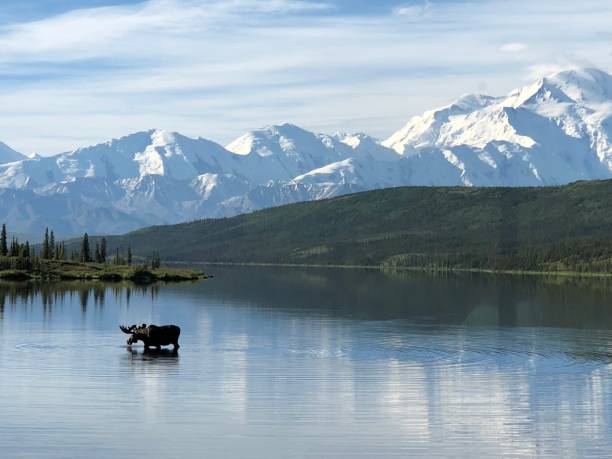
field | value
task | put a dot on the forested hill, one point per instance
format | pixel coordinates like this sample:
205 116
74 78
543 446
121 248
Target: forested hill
552 228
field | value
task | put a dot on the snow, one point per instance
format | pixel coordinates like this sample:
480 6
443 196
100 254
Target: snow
553 131
8 155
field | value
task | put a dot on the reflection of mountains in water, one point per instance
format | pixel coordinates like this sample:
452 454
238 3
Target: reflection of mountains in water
50 294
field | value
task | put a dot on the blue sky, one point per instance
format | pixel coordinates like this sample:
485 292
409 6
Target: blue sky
20 10
75 72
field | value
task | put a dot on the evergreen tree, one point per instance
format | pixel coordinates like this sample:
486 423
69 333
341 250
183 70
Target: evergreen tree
103 250
22 251
85 251
51 246
3 243
14 252
45 247
129 255
155 260
98 256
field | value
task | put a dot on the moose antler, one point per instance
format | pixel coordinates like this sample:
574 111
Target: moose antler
127 330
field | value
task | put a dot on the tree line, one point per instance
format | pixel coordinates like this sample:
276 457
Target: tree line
17 255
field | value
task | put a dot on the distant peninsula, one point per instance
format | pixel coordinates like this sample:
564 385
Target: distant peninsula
52 262
68 270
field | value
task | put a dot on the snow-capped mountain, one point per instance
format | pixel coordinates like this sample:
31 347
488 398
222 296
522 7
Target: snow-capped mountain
8 155
554 131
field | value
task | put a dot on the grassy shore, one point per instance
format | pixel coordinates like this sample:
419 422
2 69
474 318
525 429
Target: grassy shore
68 270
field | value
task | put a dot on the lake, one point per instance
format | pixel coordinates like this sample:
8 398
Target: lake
310 363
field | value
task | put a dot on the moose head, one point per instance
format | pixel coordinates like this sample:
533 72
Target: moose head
138 333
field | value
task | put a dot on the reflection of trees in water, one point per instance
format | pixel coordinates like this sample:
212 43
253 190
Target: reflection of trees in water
84 299
52 294
447 298
98 295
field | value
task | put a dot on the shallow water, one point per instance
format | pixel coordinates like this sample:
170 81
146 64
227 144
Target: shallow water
310 363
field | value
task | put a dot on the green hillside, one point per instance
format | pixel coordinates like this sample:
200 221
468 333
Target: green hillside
565 228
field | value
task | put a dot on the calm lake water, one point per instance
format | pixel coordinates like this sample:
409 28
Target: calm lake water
310 363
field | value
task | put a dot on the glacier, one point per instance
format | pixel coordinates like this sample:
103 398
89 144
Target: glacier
554 131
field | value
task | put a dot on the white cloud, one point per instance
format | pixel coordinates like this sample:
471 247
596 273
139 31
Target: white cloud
513 47
215 68
127 30
413 10
557 65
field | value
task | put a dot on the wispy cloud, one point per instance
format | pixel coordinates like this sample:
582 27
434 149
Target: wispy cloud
413 10
513 47
215 68
128 30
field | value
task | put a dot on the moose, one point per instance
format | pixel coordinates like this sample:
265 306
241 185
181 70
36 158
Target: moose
153 335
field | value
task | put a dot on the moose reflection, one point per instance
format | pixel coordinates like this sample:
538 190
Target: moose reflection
153 335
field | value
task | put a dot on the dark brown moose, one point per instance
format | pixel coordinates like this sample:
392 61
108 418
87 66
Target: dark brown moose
153 335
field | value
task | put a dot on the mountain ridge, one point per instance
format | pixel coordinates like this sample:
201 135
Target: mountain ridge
554 131
468 228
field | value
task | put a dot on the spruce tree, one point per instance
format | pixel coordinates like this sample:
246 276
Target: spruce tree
3 243
155 261
51 246
103 250
98 256
85 251
129 255
22 251
45 248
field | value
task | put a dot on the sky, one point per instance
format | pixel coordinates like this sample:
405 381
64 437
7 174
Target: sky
78 72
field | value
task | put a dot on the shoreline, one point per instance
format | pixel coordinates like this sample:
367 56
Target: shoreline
505 272
57 271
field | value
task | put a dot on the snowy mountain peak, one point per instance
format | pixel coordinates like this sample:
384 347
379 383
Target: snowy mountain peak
553 131
271 140
423 131
162 137
542 91
479 120
584 84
